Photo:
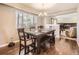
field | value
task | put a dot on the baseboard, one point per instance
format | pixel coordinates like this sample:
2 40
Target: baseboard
3 45
8 43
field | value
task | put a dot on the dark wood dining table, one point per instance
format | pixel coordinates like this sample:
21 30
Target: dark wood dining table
39 35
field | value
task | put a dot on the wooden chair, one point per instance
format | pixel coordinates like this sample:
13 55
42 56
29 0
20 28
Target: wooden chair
40 28
27 42
51 38
46 42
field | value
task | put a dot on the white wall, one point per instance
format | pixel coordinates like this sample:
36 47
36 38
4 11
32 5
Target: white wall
78 26
7 25
40 21
8 28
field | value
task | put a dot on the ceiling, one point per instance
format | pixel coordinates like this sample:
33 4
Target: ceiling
57 8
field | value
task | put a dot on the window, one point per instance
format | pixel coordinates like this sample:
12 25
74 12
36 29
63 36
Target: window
25 20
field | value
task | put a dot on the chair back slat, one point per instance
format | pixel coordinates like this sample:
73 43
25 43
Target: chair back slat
21 34
27 41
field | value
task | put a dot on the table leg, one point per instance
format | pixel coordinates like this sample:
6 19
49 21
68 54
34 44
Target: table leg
38 45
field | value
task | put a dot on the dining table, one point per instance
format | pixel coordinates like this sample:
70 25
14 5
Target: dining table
38 35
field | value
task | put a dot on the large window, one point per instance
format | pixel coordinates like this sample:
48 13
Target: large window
25 20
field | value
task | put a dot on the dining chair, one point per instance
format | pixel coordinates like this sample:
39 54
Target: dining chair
26 41
40 28
32 28
51 38
44 43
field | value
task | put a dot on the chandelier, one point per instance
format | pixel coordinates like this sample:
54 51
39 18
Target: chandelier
42 7
42 14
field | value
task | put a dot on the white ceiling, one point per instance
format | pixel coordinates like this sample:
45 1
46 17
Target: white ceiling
58 7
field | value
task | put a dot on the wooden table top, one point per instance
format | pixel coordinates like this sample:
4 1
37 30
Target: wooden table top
45 31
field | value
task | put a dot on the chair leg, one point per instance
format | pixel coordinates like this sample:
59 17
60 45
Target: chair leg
19 51
28 49
25 51
34 50
20 48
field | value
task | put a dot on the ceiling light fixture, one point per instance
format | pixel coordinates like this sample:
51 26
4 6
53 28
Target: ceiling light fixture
42 14
42 7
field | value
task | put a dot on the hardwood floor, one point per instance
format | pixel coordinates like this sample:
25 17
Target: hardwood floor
62 47
10 50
